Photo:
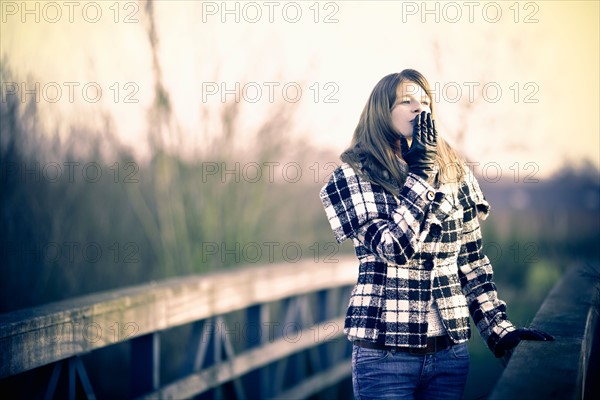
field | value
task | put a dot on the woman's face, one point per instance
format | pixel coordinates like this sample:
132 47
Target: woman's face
411 100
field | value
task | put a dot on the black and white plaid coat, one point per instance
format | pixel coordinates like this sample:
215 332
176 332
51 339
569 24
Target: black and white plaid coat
421 244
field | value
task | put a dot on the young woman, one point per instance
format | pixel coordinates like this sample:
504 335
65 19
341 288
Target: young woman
411 208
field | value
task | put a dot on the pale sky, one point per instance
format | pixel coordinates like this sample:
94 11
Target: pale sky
521 79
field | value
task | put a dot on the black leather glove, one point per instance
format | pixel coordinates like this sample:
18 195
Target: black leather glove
422 153
512 339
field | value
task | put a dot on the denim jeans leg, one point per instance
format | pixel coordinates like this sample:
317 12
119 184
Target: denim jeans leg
380 374
445 374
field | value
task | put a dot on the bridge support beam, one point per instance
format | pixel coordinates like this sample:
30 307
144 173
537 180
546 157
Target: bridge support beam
145 359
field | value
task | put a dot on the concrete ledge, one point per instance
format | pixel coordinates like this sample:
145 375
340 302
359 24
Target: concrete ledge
554 370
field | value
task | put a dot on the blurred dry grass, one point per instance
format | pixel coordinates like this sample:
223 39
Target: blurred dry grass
169 216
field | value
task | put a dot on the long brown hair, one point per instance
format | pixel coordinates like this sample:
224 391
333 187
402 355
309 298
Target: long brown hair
373 149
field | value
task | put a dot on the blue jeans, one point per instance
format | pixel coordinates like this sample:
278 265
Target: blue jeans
381 374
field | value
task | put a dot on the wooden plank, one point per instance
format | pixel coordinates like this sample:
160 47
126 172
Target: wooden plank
249 360
41 335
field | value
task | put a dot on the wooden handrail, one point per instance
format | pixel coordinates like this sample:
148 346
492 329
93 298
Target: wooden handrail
42 335
555 370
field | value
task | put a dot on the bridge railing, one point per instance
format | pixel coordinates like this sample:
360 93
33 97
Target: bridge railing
568 367
288 308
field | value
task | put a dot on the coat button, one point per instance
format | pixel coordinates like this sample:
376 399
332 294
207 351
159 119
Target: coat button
430 195
428 264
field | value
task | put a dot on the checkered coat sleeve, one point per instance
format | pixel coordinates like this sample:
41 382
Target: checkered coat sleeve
475 269
420 246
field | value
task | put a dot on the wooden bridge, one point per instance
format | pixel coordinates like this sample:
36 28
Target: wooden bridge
292 325
284 342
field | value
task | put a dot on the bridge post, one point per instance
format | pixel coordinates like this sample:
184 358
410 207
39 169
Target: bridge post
145 360
254 382
324 312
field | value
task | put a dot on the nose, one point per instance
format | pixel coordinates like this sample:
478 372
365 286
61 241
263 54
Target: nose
419 108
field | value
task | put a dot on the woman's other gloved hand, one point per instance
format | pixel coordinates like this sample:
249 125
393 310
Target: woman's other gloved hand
421 154
512 339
